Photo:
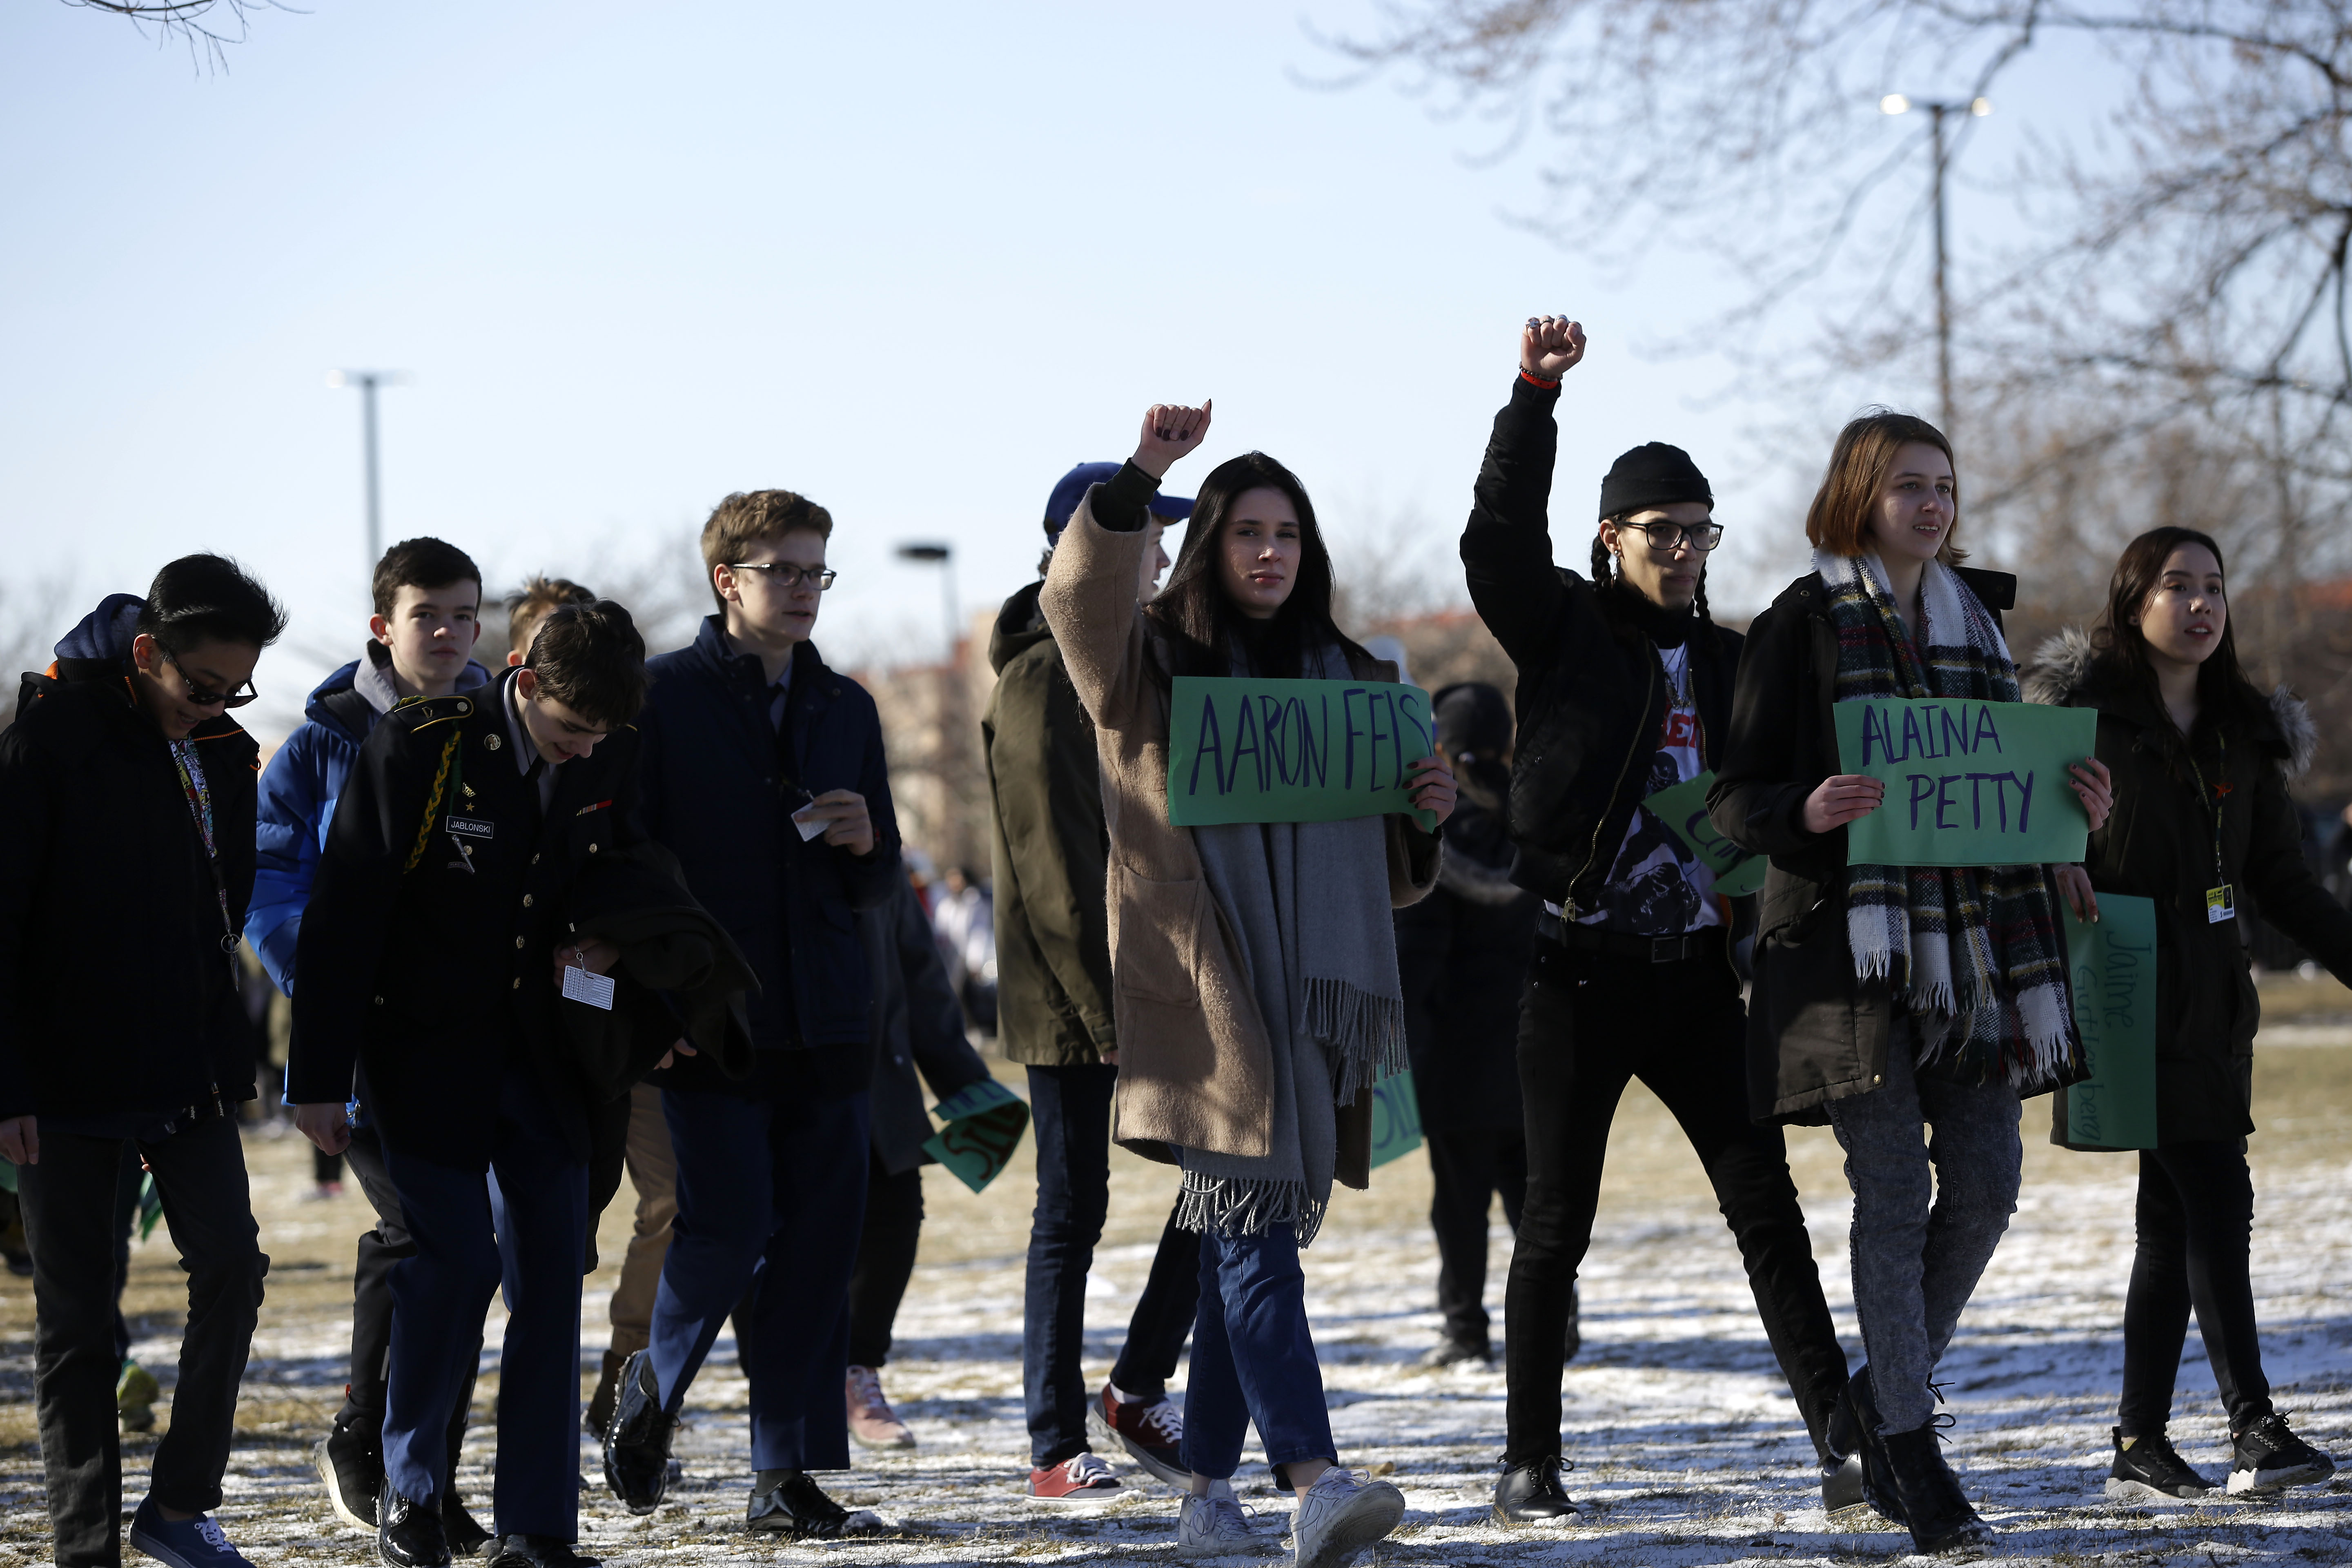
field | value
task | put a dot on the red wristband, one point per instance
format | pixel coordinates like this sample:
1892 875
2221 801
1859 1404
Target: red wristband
1532 379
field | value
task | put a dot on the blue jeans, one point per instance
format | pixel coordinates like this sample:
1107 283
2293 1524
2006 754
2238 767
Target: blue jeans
1069 1110
523 1228
1253 1357
770 1193
1928 1212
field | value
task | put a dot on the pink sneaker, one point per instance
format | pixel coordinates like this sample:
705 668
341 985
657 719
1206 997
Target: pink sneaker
871 1420
1082 1478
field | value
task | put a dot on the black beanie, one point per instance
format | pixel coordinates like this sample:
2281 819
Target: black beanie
1651 474
1472 717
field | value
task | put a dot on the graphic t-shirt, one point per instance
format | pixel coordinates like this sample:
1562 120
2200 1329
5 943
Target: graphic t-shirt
1658 887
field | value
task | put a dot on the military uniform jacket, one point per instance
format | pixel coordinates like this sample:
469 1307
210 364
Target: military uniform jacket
426 954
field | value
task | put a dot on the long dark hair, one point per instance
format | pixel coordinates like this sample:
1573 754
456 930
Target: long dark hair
2223 692
1200 623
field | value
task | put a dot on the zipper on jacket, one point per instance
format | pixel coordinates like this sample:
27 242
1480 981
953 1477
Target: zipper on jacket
1593 852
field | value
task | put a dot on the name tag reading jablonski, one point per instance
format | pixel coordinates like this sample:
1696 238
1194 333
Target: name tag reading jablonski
1968 782
1246 749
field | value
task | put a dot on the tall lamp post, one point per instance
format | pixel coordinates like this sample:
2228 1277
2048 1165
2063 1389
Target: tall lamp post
1896 104
943 557
367 381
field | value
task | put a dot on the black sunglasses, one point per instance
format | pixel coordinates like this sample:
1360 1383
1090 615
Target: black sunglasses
201 697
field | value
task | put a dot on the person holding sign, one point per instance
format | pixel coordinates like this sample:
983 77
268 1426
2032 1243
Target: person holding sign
1624 697
1254 965
2202 817
1890 998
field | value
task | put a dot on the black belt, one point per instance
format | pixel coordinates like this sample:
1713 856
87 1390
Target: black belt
1703 942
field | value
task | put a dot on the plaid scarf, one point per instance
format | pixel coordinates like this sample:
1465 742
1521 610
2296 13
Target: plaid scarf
1974 950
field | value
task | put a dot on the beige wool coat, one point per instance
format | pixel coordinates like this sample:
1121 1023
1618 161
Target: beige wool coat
1195 1068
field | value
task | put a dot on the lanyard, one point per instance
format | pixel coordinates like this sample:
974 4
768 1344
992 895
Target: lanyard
200 806
2220 900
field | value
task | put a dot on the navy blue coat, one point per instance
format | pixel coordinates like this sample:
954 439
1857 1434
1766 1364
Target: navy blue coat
716 787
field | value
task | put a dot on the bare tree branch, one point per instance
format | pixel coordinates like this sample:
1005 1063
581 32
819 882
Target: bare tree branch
206 27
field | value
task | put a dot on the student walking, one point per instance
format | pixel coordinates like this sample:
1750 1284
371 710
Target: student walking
2202 820
421 639
128 793
428 977
1625 687
918 1028
1890 999
763 774
1462 955
1254 966
1057 1019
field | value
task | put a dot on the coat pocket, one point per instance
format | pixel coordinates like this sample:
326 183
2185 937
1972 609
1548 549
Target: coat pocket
1157 949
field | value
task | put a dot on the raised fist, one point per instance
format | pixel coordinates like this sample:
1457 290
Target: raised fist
1170 431
1550 346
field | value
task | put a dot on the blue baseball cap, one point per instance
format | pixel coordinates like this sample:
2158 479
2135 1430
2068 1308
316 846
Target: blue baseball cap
1072 487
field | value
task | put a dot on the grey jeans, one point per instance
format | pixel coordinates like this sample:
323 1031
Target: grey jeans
1934 1167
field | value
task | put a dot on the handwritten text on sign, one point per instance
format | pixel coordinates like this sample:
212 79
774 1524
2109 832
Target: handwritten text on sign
1246 749
1968 783
2111 966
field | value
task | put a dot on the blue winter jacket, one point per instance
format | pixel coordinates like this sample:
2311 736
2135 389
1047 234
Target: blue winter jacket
298 791
715 786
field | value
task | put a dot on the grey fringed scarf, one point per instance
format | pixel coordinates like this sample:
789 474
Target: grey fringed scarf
1308 904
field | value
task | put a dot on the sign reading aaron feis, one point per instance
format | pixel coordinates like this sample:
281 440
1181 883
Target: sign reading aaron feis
1246 749
1968 783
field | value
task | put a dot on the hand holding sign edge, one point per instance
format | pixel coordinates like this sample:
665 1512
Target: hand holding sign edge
1841 798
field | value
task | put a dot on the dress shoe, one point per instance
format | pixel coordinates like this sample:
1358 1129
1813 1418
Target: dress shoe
408 1536
520 1550
637 1445
1531 1494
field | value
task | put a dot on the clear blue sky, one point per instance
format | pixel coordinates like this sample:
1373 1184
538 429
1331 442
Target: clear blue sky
912 260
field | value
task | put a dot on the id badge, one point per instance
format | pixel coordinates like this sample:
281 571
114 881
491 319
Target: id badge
2220 904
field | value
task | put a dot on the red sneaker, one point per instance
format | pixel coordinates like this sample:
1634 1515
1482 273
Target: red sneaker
1151 1430
872 1422
1081 1478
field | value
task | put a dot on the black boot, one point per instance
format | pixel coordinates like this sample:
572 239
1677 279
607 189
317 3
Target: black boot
607 1395
1933 1504
1842 1497
1855 1420
1531 1494
350 1461
636 1447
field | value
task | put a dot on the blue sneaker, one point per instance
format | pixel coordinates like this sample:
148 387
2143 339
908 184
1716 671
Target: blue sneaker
184 1543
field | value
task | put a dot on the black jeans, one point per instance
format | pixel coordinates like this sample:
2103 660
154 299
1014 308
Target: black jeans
1587 1025
1070 1110
886 1259
69 1202
1469 1169
2195 1221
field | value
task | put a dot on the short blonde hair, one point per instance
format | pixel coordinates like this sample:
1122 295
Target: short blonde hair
749 518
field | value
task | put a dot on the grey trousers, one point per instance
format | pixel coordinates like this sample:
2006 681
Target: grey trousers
1934 1167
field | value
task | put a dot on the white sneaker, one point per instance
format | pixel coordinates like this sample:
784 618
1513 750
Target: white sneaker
1214 1526
1339 1518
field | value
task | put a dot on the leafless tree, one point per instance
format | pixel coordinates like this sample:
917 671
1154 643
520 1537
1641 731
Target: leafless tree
2185 284
206 27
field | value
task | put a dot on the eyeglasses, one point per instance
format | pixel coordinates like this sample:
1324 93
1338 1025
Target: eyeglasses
198 695
1665 536
784 575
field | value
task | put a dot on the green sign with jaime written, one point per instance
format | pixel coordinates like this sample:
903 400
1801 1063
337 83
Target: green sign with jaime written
1968 782
1683 807
1245 750
2111 968
984 1123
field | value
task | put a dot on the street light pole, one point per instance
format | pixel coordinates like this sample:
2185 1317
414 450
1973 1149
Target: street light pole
1896 103
943 557
367 381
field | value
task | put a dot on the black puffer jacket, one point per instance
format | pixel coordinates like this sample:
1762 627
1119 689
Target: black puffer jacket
115 992
2159 845
1462 955
1592 695
1815 1033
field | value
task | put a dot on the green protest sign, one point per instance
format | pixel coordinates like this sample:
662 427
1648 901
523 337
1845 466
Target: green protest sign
1396 1119
1245 750
2111 967
1968 782
1683 807
984 1123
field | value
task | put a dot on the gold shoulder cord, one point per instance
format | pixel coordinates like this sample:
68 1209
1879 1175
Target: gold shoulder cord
433 801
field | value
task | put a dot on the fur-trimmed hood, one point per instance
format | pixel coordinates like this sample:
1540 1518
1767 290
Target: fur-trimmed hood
2069 669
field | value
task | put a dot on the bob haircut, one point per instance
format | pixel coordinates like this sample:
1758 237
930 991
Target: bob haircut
1839 519
2223 691
1201 622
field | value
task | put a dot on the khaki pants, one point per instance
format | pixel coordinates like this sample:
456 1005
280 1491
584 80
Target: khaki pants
653 1170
